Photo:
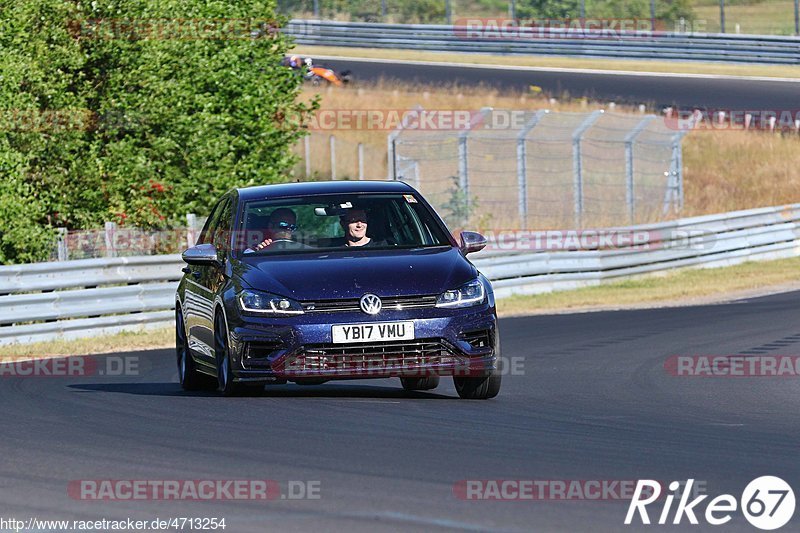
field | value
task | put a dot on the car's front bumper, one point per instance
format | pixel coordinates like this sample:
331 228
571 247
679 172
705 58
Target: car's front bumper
446 342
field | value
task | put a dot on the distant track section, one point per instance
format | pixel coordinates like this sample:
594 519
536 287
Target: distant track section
655 89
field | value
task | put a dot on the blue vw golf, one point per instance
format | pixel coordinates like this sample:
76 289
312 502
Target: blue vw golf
309 282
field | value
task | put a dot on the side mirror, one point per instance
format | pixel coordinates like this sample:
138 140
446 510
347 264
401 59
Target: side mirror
202 254
472 242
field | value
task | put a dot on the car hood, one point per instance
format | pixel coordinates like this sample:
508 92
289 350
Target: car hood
335 275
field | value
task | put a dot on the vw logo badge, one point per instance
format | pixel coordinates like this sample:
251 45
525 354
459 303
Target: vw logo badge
371 304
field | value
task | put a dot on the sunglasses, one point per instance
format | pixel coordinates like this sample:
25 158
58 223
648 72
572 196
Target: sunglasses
353 220
285 225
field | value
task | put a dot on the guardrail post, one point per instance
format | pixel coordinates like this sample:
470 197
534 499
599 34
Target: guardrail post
62 250
463 154
522 165
630 199
577 165
110 229
722 16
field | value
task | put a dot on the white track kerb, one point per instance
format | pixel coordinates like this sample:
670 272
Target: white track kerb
72 299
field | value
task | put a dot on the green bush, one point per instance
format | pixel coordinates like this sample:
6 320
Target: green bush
126 123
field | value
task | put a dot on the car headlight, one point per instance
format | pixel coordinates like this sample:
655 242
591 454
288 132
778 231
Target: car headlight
473 293
265 303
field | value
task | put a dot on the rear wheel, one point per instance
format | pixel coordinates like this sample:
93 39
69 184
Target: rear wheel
188 374
478 388
225 383
426 383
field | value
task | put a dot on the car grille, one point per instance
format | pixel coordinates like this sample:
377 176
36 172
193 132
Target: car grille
390 303
387 356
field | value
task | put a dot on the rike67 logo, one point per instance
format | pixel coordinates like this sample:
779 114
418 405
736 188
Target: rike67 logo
767 503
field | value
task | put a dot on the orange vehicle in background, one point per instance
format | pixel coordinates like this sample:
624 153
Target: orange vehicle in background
317 74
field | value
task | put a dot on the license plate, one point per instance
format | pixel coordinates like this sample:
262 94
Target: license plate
379 331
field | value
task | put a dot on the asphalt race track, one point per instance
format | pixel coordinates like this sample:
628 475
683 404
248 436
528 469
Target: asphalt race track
590 400
655 91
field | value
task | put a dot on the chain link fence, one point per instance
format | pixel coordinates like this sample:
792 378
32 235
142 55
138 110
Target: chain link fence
765 17
537 169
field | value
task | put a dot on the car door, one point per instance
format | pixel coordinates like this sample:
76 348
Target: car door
213 278
199 299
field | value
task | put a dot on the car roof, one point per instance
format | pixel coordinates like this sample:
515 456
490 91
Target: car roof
311 188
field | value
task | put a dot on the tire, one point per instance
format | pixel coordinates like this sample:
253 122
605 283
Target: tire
188 375
480 388
225 383
426 383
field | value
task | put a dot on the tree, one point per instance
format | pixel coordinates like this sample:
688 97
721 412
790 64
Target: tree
146 110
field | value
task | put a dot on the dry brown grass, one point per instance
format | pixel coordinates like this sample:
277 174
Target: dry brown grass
730 170
724 170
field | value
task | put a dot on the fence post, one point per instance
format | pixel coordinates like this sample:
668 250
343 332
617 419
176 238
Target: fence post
673 196
391 143
797 17
191 227
630 199
463 164
63 250
307 143
360 161
332 141
522 168
110 229
722 16
577 165
653 15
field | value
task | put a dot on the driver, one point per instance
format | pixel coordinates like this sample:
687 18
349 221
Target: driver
281 226
354 224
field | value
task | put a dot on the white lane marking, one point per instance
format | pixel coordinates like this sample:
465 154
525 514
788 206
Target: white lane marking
644 74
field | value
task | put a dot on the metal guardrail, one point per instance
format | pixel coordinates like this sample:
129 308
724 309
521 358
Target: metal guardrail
549 41
82 298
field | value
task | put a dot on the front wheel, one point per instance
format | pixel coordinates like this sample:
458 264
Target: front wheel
188 375
478 388
225 383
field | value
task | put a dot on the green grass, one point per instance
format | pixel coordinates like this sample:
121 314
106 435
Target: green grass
771 17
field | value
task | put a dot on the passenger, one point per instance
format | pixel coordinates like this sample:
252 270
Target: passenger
280 228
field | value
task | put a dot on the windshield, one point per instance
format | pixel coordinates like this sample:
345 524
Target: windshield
344 222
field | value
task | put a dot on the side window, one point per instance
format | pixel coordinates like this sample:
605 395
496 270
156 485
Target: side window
211 224
222 234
